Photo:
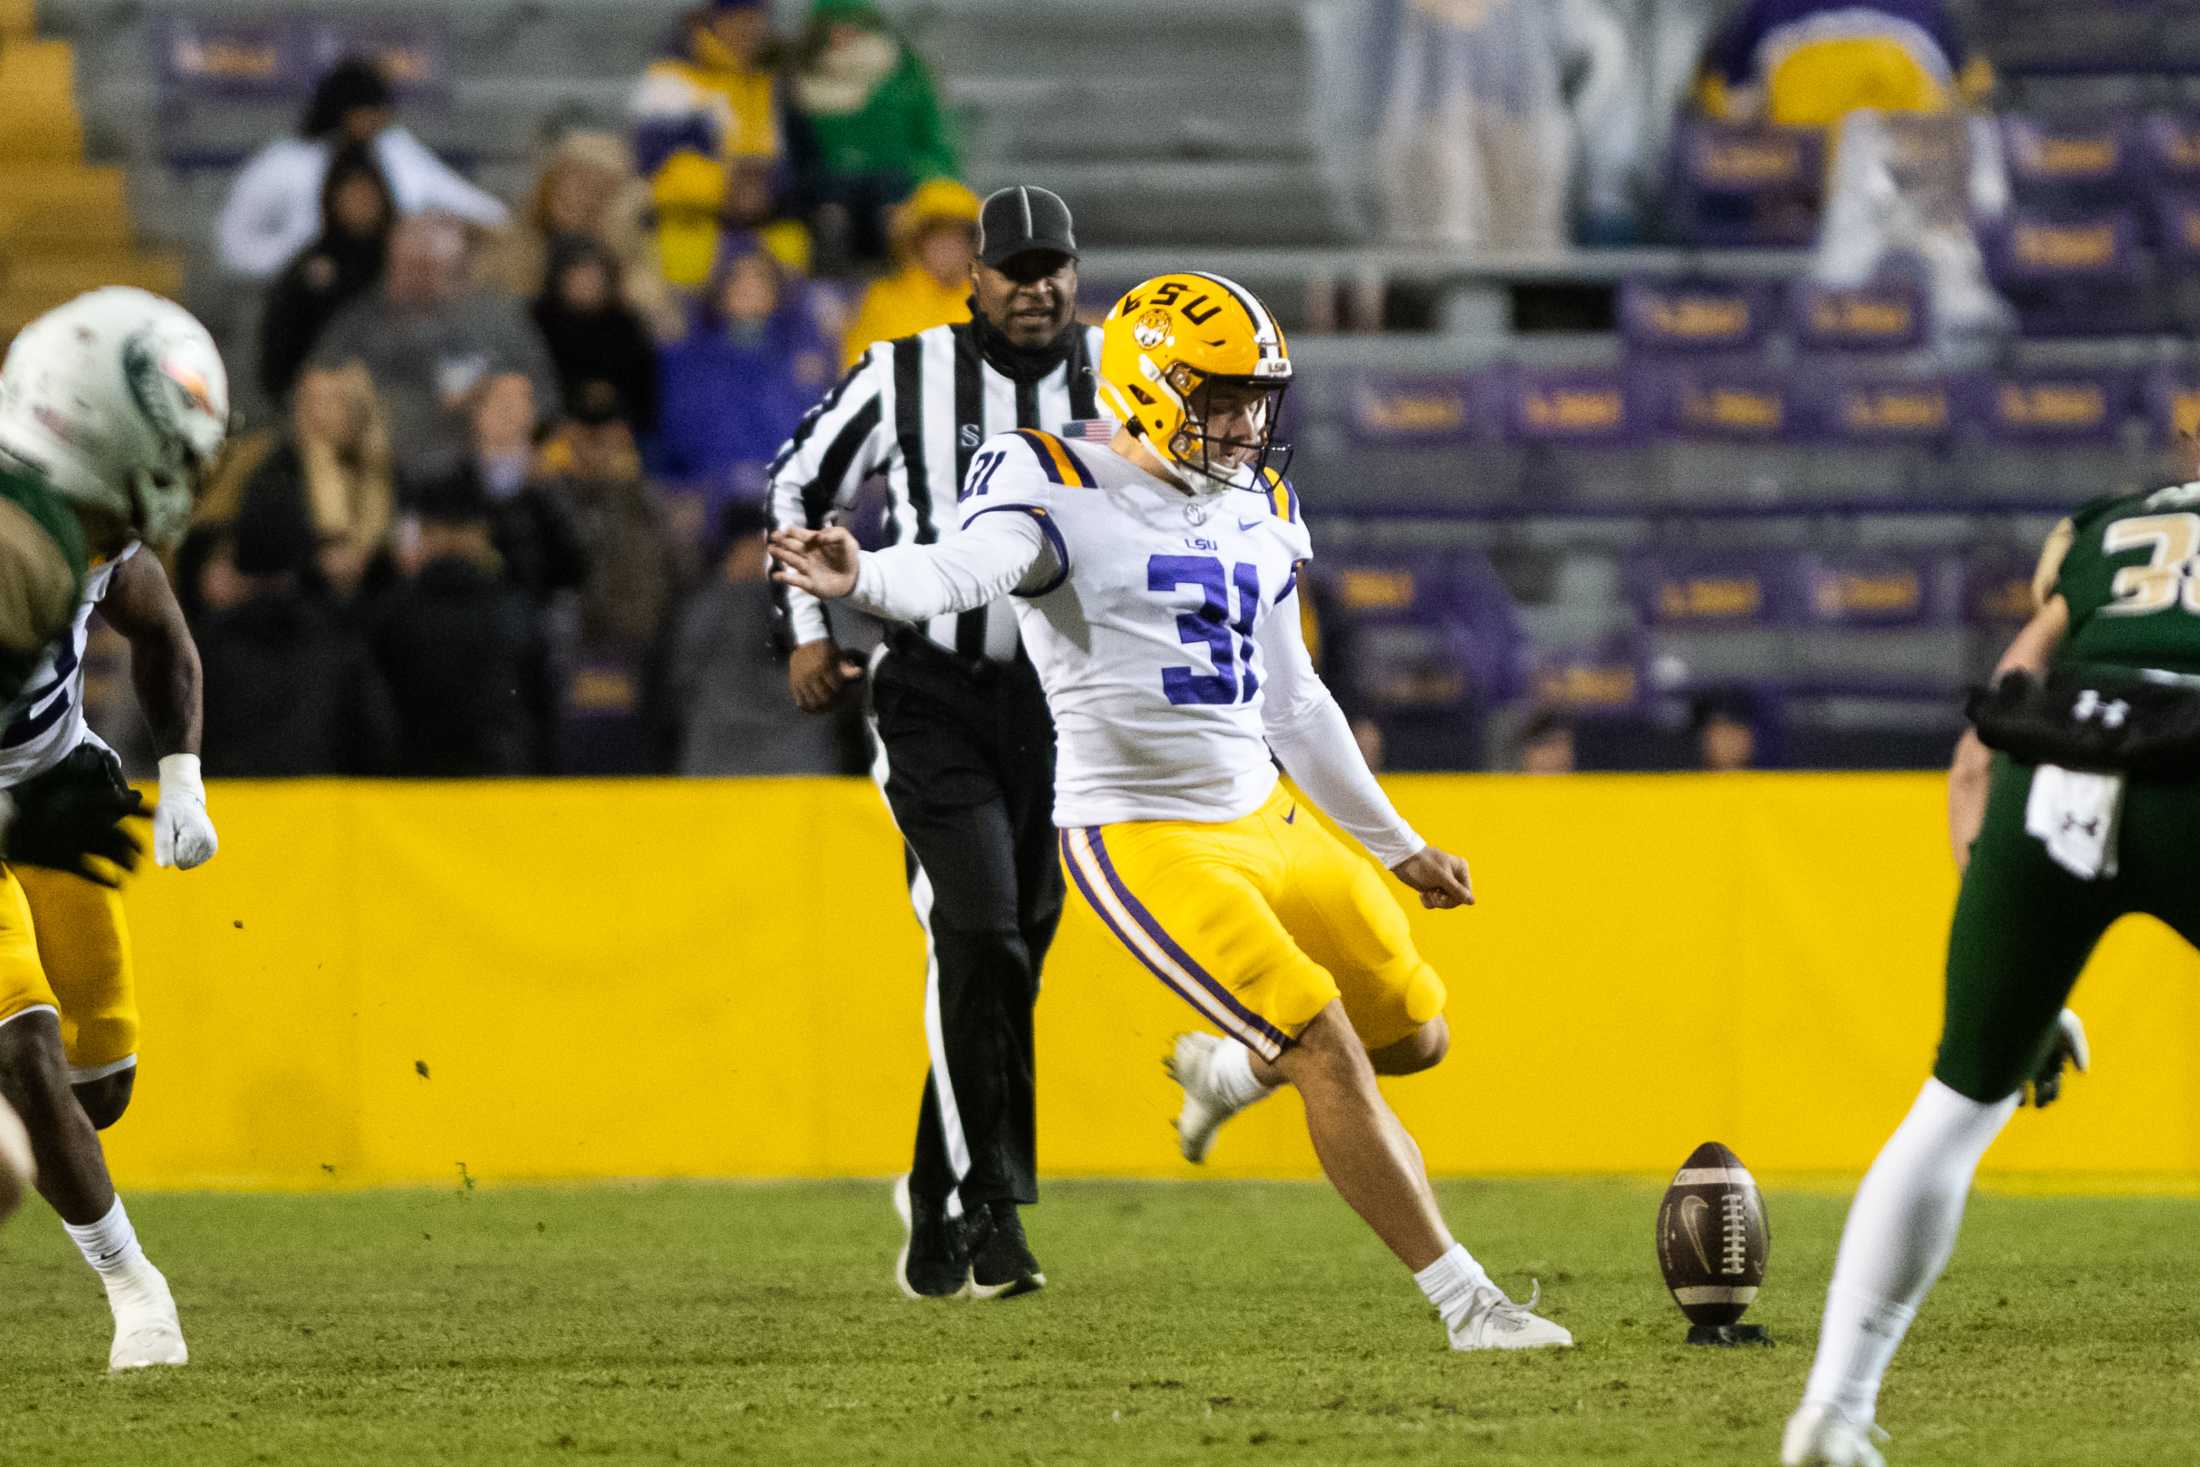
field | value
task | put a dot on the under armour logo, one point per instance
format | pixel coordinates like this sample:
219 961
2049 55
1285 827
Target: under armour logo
2109 713
2091 827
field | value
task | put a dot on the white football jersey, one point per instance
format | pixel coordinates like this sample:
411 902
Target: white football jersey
49 717
1148 640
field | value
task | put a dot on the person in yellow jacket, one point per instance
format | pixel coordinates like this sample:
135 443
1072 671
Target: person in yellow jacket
934 235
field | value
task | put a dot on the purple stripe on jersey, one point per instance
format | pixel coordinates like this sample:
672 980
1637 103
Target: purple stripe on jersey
1251 1035
1168 944
1047 527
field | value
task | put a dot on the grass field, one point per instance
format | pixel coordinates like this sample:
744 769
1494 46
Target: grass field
1200 1323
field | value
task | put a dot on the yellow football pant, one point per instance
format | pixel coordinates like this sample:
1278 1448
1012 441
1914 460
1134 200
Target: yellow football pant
64 946
1258 923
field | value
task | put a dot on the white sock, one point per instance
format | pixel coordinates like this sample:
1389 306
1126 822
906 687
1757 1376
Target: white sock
110 1246
1901 1229
1451 1283
1232 1076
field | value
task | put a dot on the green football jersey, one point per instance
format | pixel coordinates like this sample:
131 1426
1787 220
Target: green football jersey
42 551
2131 577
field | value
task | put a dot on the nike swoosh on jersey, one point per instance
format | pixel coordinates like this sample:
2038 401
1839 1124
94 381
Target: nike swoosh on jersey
1252 524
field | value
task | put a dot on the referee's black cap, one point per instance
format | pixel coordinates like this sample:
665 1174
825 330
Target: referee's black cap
1023 218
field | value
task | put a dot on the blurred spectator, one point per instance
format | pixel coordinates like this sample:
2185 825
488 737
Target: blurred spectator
1494 110
357 215
330 465
430 343
726 681
935 242
1547 744
637 565
738 385
867 126
1810 63
713 91
1725 727
530 525
588 190
594 337
290 689
465 652
274 206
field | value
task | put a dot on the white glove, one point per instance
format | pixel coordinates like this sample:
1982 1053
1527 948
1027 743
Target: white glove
183 836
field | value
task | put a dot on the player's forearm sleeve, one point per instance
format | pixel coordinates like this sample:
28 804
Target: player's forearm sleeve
839 442
1313 741
994 555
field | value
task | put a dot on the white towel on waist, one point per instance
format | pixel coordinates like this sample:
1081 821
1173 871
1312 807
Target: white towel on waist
2075 816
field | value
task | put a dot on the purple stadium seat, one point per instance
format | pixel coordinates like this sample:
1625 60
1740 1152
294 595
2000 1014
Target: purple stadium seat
2037 407
1997 591
2177 225
1579 408
1714 590
1739 402
2172 405
2058 248
1739 184
1886 316
1412 410
414 52
218 56
1878 591
1879 408
1427 630
2068 157
2169 149
1609 679
1694 315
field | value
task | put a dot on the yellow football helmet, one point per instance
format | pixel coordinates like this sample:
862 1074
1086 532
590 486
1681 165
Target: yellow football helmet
1171 339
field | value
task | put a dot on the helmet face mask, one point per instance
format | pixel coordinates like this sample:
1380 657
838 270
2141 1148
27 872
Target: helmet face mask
1228 457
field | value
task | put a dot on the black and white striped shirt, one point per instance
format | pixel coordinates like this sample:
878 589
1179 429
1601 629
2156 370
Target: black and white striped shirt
915 411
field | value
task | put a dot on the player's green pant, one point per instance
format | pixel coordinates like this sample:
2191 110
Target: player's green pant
2024 927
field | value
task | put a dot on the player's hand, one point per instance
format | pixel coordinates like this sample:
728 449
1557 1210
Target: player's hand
72 814
1439 876
183 834
2068 1048
821 562
817 671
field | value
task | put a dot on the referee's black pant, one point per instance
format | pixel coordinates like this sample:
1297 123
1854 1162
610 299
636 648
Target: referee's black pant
967 765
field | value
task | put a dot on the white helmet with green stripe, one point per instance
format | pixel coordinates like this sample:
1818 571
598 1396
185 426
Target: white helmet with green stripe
120 402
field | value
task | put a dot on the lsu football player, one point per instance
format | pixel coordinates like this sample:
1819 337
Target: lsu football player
1158 584
112 408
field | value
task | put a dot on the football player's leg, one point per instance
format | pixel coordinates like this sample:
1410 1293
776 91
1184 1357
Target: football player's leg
16 1167
1337 905
2022 931
84 947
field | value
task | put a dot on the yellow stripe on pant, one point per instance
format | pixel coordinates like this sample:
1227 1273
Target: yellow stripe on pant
377 983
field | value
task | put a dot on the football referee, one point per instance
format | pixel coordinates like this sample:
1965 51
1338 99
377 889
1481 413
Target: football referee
966 747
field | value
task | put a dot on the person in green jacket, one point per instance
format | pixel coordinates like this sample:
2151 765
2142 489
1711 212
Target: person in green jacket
867 127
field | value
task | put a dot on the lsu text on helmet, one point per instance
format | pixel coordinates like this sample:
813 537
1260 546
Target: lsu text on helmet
1185 350
120 400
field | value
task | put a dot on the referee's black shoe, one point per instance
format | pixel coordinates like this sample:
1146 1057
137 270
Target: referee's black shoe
1001 1265
934 1263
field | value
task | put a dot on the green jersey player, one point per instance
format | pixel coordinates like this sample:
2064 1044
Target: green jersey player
112 408
2090 811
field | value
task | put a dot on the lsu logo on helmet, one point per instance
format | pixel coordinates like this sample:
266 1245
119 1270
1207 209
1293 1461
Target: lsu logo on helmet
1184 350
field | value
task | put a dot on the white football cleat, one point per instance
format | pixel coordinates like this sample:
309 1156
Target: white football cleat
1820 1436
1204 1110
147 1332
1497 1323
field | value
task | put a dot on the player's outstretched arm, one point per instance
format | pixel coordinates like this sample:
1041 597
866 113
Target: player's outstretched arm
994 555
164 668
1313 741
